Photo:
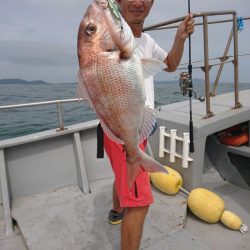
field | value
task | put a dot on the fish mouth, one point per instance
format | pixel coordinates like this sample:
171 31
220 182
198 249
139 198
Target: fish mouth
111 50
121 44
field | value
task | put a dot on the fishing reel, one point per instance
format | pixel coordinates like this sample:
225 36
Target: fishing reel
185 83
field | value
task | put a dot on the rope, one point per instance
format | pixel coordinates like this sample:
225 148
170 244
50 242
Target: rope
184 190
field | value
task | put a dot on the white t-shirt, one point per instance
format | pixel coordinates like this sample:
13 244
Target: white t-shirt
148 48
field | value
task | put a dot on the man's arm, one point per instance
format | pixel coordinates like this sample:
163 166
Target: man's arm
175 54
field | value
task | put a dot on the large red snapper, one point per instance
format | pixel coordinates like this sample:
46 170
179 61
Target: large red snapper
111 79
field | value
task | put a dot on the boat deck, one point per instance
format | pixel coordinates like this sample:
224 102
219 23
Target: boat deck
68 219
63 217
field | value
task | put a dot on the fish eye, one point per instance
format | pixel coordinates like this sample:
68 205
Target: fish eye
90 29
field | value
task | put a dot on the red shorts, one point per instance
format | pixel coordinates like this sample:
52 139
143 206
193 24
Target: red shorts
140 194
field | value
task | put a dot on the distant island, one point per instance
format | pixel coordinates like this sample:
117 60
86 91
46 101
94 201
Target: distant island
21 81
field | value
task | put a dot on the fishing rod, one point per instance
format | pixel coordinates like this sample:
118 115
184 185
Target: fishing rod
186 85
190 94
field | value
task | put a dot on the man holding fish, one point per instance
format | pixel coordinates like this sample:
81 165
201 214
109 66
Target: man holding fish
117 62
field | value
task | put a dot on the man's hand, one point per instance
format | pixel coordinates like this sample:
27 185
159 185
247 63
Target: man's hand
186 27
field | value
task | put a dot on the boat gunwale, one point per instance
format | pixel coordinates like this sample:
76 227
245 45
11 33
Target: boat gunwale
47 134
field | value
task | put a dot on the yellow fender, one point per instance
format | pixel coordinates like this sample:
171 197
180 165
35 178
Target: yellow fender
233 221
167 183
206 205
209 207
203 203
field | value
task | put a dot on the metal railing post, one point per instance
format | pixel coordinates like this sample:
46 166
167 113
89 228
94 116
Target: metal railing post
236 61
206 63
5 196
222 63
60 116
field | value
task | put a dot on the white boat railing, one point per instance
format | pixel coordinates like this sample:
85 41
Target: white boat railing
58 103
206 68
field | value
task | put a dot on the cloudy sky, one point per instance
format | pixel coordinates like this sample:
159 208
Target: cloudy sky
38 37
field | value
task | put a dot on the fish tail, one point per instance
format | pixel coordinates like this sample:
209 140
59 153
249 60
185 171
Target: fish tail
145 162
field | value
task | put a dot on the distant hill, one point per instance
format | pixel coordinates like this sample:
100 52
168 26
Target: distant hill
21 81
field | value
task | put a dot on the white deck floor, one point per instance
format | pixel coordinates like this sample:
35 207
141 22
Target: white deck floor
68 219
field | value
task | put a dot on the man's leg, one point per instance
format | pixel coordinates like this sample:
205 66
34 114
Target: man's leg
132 226
116 214
116 201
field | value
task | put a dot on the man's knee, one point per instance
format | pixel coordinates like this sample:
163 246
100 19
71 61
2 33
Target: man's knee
137 211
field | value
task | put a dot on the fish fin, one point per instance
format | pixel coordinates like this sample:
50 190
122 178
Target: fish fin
152 66
149 120
110 134
144 162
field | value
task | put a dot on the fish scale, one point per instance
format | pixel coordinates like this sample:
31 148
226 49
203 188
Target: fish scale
128 96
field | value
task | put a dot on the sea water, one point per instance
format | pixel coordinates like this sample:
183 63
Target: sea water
23 121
